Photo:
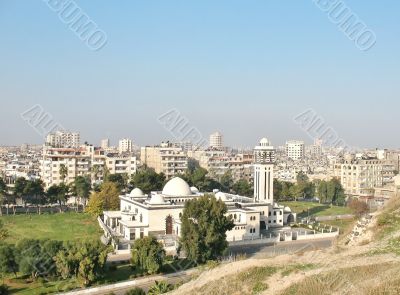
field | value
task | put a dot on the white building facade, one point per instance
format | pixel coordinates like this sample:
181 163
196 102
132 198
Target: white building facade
159 213
216 140
125 145
295 149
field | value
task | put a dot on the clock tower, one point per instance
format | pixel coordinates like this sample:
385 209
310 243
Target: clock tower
264 160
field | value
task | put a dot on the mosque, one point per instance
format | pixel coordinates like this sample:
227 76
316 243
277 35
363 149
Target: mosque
159 213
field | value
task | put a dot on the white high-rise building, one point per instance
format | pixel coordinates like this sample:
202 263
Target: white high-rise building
264 159
63 139
105 143
295 149
125 145
216 140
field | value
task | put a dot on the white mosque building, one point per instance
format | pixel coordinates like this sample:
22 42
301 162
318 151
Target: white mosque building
159 213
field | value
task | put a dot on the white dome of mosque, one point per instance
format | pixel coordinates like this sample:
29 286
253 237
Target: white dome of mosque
221 196
194 190
177 187
136 193
287 210
157 200
265 142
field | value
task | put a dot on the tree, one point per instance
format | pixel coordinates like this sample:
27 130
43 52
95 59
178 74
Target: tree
204 227
277 190
106 199
304 188
4 234
36 257
19 188
148 180
8 263
95 170
34 190
28 250
83 260
58 194
193 164
226 181
323 191
335 192
243 188
3 194
301 177
119 180
160 287
4 289
135 291
95 206
81 188
287 193
148 254
63 172
359 208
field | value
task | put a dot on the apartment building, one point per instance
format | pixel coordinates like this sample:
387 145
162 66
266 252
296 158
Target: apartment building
216 141
77 161
105 143
295 149
125 146
118 164
165 158
359 177
85 160
63 139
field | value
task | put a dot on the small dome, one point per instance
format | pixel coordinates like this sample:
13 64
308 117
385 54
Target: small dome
287 210
157 200
264 142
136 193
221 196
194 189
177 187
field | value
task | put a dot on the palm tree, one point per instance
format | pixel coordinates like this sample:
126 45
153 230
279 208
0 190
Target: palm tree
63 172
160 287
95 172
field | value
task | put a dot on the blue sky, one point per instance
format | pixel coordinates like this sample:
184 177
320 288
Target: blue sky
245 68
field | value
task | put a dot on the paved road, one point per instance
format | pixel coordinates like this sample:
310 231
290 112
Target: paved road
269 250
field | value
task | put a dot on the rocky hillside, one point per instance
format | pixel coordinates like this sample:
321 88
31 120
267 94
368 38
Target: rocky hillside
367 261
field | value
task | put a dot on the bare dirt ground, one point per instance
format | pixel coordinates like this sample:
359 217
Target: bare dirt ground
335 261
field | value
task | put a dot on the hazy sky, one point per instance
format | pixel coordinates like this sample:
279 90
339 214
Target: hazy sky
245 68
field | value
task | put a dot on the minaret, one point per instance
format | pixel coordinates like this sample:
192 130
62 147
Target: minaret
264 160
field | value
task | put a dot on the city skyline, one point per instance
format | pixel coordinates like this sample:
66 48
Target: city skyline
199 58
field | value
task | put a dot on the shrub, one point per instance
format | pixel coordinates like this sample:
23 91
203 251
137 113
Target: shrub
135 291
4 289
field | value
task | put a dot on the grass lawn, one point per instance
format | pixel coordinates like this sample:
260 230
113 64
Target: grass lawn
24 286
60 226
315 209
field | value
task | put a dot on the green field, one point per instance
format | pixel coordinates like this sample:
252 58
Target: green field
60 226
305 209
